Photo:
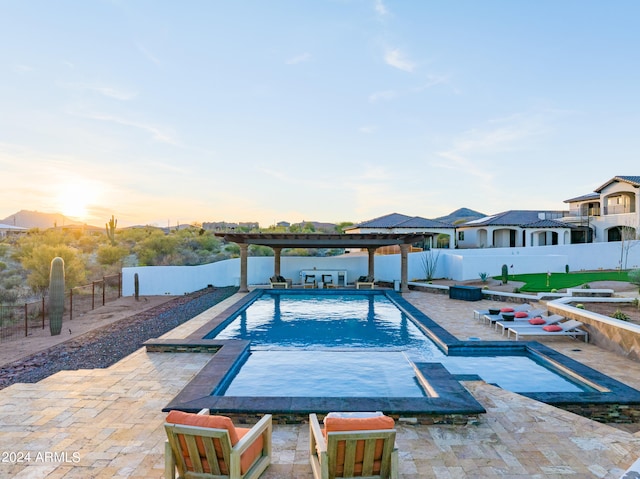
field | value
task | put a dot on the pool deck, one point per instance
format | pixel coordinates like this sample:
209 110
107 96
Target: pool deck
108 423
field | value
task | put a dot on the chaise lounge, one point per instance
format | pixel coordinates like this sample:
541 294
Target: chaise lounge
567 328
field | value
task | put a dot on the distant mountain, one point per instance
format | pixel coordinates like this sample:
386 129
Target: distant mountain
461 215
35 219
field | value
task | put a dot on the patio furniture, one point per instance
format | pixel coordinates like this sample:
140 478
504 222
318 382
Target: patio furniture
567 328
353 445
525 323
465 293
309 281
211 447
327 279
279 282
365 281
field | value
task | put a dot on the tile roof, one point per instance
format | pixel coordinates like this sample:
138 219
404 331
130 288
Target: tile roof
633 180
397 220
588 196
510 218
547 224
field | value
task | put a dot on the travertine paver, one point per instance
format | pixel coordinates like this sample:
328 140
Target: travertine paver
108 423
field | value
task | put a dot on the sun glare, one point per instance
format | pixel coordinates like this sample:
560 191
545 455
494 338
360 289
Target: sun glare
74 199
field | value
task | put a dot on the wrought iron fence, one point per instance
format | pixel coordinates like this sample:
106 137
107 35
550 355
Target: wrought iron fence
32 319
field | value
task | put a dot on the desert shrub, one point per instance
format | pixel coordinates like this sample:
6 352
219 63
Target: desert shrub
580 306
483 277
620 315
586 286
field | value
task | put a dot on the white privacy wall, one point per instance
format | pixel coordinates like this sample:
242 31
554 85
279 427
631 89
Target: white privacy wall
459 265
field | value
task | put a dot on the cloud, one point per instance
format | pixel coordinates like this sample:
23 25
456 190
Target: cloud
150 56
21 68
502 135
368 129
385 95
433 80
380 8
156 133
396 58
111 92
303 57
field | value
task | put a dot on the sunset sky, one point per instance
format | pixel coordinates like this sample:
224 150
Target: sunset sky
329 110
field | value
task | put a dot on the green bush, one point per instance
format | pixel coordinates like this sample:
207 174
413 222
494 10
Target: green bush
620 315
580 306
483 277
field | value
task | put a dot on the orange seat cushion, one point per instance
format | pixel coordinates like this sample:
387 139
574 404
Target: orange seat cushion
337 424
537 320
521 314
216 422
506 310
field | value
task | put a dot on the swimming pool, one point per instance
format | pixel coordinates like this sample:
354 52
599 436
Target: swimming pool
445 400
355 345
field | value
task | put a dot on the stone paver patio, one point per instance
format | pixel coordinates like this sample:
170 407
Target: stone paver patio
108 423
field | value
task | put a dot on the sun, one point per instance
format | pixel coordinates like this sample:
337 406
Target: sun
74 199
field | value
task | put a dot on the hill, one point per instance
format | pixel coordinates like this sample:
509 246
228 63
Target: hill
461 215
35 219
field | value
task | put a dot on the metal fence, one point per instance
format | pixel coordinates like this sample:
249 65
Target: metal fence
32 319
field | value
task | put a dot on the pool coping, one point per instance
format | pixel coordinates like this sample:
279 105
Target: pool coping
446 396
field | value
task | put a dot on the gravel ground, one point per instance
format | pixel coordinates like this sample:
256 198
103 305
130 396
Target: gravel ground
105 346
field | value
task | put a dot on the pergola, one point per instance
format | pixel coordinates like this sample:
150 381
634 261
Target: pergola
277 241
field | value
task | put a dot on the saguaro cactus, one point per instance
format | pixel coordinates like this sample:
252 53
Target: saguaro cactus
56 295
111 230
136 286
505 274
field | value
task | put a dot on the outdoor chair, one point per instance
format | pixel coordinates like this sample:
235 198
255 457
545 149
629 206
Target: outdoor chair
327 280
353 445
211 447
365 281
532 322
279 282
309 281
567 328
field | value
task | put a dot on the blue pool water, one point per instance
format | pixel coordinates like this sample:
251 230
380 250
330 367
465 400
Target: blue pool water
355 345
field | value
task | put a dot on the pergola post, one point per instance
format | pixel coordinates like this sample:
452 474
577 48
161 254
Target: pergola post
404 268
276 261
244 249
371 269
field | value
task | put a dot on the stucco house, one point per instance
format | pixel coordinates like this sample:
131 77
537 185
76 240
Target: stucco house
514 228
402 224
9 230
609 213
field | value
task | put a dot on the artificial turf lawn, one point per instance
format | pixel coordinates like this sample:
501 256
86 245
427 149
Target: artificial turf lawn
538 281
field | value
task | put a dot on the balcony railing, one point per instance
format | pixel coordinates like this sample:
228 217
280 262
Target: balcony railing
619 209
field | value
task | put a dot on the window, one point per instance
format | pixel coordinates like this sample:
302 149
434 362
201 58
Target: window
460 235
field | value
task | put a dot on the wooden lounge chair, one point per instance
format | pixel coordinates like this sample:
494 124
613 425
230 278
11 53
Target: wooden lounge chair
350 447
365 282
211 447
567 328
279 282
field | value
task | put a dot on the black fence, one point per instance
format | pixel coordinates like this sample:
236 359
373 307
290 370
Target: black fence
32 319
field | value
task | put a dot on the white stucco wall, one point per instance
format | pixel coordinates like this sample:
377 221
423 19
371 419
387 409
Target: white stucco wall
460 265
